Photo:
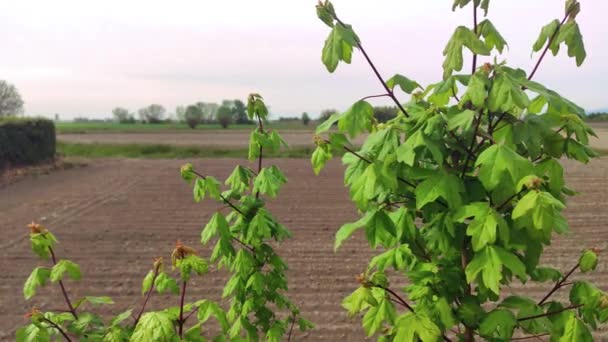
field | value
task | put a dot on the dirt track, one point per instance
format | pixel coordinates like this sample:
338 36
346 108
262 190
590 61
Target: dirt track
113 217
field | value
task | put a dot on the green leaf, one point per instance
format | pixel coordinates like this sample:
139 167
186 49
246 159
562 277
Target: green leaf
440 185
338 46
477 90
239 179
463 121
491 36
121 317
348 229
164 282
191 263
154 326
506 94
269 181
216 226
463 36
545 35
376 316
93 300
489 263
498 323
38 277
32 333
412 327
414 147
327 124
146 284
208 185
359 300
540 211
207 308
63 266
320 156
41 243
357 119
485 225
571 35
500 164
575 331
588 261
379 229
406 85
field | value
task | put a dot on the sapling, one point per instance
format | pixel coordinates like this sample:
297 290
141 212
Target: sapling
463 191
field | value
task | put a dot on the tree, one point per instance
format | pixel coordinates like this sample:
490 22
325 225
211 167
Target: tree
193 116
224 115
463 192
180 113
239 112
385 113
11 103
209 110
122 115
305 119
152 114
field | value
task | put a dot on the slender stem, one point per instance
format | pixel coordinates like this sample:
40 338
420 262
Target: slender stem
508 200
181 319
553 36
396 295
190 314
143 307
470 150
243 244
388 90
222 196
558 285
293 321
374 96
260 157
63 291
571 307
464 261
56 326
474 30
529 337
494 125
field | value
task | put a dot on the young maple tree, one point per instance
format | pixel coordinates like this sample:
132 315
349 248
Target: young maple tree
463 190
255 291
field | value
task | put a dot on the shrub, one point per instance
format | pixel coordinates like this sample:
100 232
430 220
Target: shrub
243 242
463 191
224 116
305 119
26 141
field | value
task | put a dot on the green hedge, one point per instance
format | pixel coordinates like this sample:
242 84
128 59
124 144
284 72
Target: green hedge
26 141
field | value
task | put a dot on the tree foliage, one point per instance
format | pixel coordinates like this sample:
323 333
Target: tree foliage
463 190
11 103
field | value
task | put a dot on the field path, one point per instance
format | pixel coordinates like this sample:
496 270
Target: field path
114 216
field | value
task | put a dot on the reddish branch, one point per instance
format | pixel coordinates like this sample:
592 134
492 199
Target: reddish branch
559 284
65 293
388 90
143 307
474 30
530 337
553 36
56 326
181 320
551 313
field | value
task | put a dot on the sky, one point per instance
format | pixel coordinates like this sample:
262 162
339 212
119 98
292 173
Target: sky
83 58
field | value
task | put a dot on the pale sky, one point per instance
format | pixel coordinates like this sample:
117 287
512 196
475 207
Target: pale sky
82 58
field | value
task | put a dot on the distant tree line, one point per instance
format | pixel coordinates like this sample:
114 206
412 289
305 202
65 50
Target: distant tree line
381 113
597 117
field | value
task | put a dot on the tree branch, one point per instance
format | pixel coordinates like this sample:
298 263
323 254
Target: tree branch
474 30
156 270
389 92
558 285
553 36
181 320
571 307
374 96
63 291
56 326
470 150
529 337
396 295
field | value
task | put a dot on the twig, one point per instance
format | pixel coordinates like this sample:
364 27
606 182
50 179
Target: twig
474 30
389 92
156 270
508 200
553 36
558 285
63 291
221 196
56 326
293 321
571 307
529 337
401 300
181 319
374 96
470 150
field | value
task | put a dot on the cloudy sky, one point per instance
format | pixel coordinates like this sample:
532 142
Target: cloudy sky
82 58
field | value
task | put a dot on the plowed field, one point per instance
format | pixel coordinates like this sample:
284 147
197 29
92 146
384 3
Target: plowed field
114 216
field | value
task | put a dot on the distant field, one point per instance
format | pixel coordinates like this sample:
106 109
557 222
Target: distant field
101 127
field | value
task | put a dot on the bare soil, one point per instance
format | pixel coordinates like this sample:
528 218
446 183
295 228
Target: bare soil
115 216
